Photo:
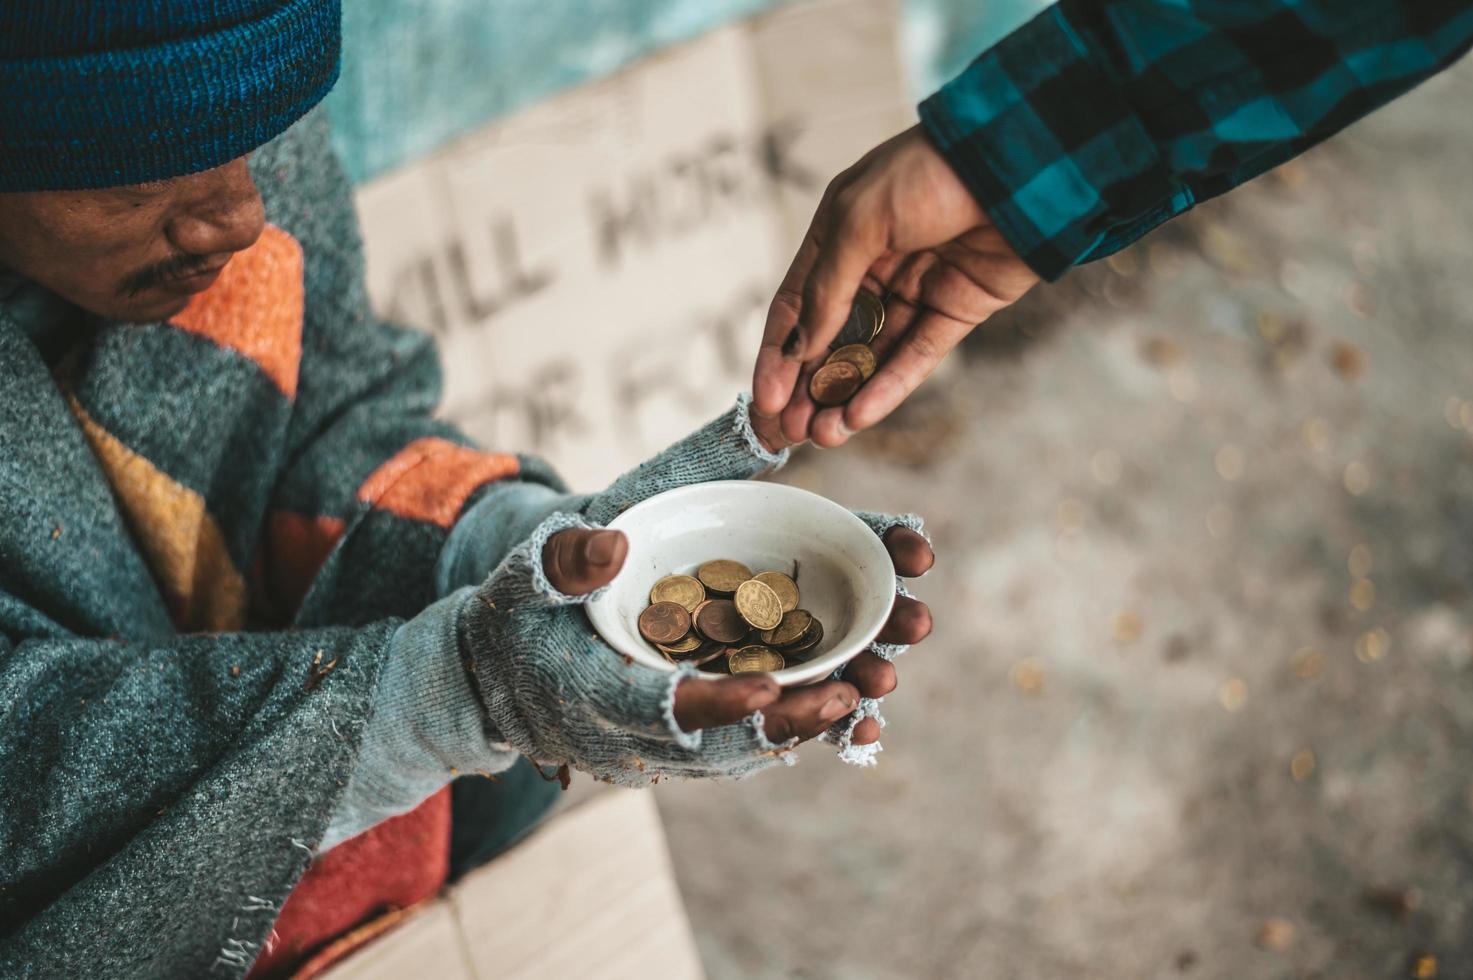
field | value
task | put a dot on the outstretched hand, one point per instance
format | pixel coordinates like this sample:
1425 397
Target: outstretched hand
903 225
579 561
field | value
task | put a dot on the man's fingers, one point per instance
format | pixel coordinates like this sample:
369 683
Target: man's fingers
917 355
579 560
852 241
799 413
800 713
708 703
874 676
909 622
828 427
867 731
775 373
902 306
805 712
769 432
910 552
773 380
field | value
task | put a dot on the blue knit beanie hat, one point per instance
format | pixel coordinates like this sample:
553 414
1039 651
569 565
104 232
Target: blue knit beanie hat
97 93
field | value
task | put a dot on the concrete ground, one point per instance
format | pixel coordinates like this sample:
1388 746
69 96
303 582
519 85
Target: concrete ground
1200 698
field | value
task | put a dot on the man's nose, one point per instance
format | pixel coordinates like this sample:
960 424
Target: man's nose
222 213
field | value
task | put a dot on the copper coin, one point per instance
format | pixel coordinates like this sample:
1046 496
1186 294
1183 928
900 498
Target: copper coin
723 576
718 620
857 354
835 383
786 588
754 660
664 623
679 588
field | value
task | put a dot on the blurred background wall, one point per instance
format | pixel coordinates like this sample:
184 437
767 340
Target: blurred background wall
418 73
596 265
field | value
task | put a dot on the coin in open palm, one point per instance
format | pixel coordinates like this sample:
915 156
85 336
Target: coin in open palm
835 383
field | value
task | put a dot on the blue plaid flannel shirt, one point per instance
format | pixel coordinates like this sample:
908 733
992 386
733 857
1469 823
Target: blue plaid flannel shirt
1100 119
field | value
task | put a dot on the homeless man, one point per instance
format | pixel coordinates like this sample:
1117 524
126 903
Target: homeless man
257 606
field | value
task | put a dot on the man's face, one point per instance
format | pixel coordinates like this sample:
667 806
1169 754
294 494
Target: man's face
135 253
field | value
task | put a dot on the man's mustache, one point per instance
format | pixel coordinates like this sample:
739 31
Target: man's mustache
177 267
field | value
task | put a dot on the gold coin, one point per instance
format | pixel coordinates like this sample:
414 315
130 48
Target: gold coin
835 383
723 576
875 310
754 660
790 630
758 604
679 588
857 354
786 588
866 316
811 638
687 644
664 622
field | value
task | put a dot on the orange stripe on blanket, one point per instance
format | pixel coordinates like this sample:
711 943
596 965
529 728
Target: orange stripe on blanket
255 307
430 479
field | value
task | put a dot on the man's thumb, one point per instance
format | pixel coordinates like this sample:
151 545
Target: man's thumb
579 560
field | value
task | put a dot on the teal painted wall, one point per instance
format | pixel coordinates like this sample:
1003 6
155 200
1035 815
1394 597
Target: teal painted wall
942 36
418 73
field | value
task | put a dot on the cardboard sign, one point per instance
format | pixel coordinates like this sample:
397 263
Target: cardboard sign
597 269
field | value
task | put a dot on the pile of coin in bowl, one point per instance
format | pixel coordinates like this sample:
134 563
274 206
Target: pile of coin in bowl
851 361
726 620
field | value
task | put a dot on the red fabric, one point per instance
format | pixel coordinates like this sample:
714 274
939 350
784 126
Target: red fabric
297 546
356 890
394 865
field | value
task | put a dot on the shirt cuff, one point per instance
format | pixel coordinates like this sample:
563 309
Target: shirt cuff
1051 149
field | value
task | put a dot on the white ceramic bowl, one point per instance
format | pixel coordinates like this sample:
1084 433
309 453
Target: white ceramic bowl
844 572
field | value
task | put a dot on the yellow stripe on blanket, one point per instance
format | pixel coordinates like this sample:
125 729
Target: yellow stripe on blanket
181 541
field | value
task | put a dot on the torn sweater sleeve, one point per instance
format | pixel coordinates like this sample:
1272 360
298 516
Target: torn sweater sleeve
427 724
108 746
